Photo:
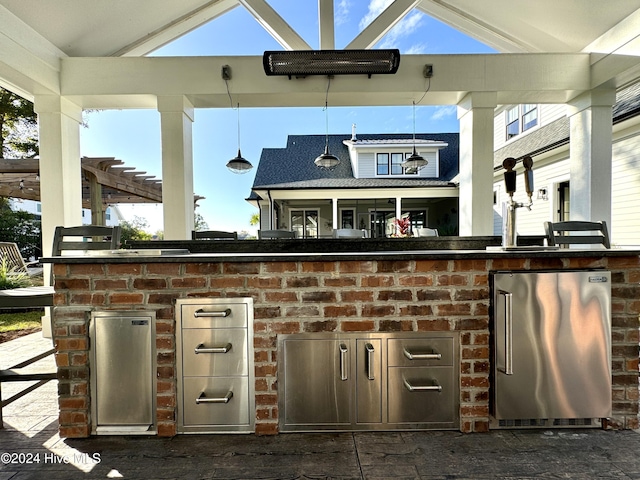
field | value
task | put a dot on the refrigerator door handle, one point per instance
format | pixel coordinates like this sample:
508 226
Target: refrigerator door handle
508 332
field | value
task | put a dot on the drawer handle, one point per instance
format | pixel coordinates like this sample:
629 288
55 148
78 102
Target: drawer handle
202 349
203 399
370 354
202 313
422 388
343 362
422 356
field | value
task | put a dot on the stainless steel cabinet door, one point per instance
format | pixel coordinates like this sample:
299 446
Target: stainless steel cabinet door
368 380
552 345
317 386
124 377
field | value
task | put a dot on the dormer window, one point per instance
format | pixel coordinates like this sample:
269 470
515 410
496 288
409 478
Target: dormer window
391 164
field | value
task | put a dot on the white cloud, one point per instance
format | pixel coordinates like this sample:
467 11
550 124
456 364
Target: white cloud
416 49
342 12
376 7
407 26
444 111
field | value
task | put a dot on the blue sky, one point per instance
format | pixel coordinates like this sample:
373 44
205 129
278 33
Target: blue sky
133 136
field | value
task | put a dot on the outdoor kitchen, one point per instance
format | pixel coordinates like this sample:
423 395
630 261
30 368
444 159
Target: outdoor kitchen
275 306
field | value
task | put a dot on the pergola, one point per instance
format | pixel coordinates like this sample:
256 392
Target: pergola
70 55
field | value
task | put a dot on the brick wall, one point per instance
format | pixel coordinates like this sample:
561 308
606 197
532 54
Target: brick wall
332 296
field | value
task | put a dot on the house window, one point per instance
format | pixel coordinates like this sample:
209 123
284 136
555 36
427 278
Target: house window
529 116
305 223
391 164
382 164
520 119
513 122
347 219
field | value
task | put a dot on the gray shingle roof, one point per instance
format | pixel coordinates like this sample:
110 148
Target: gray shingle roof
293 167
557 132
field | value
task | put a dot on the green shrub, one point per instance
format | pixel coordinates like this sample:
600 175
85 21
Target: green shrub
11 278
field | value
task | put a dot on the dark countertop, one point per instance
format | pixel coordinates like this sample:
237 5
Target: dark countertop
432 248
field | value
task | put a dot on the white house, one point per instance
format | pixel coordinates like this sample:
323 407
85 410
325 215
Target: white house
543 132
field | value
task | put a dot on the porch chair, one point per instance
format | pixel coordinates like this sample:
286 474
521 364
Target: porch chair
554 236
349 233
271 234
426 232
213 235
86 237
10 254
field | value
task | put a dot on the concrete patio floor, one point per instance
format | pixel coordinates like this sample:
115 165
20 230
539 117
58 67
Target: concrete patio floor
30 435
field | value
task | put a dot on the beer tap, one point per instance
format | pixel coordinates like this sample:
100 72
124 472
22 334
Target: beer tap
509 208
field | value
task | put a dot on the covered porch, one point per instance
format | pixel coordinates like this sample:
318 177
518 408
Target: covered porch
66 60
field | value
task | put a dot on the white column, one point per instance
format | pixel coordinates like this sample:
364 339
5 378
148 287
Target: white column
590 146
60 168
60 174
334 204
475 113
176 122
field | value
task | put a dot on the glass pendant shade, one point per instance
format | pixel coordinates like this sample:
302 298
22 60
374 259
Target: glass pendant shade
326 160
415 162
239 164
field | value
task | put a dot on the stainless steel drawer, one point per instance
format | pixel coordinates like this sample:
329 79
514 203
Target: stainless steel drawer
408 352
214 316
422 395
214 352
215 401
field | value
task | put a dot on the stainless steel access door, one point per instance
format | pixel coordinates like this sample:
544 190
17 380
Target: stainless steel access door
552 345
123 372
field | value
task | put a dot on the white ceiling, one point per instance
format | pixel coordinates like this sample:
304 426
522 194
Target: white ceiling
97 28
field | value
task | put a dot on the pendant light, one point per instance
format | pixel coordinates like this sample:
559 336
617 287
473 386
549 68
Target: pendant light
238 164
415 162
326 160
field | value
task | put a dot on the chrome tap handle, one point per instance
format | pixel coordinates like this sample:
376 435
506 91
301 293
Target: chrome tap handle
509 175
527 162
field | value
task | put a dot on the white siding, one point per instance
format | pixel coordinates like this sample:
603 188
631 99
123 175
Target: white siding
625 216
499 135
432 169
551 112
366 165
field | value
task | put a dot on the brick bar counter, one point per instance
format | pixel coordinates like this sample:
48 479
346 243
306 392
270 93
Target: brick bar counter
401 291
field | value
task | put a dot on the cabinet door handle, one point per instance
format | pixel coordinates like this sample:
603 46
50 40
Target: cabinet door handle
202 349
508 332
422 356
343 362
203 313
370 352
422 388
203 399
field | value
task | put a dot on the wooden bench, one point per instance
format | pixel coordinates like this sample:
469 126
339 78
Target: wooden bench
19 373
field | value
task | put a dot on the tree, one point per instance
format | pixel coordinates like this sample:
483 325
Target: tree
22 228
134 230
18 127
199 224
255 219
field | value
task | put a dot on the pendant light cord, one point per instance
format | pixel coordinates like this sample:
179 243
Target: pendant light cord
326 110
226 82
427 88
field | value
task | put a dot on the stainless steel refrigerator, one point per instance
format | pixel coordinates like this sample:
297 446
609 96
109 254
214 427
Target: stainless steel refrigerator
123 366
551 348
